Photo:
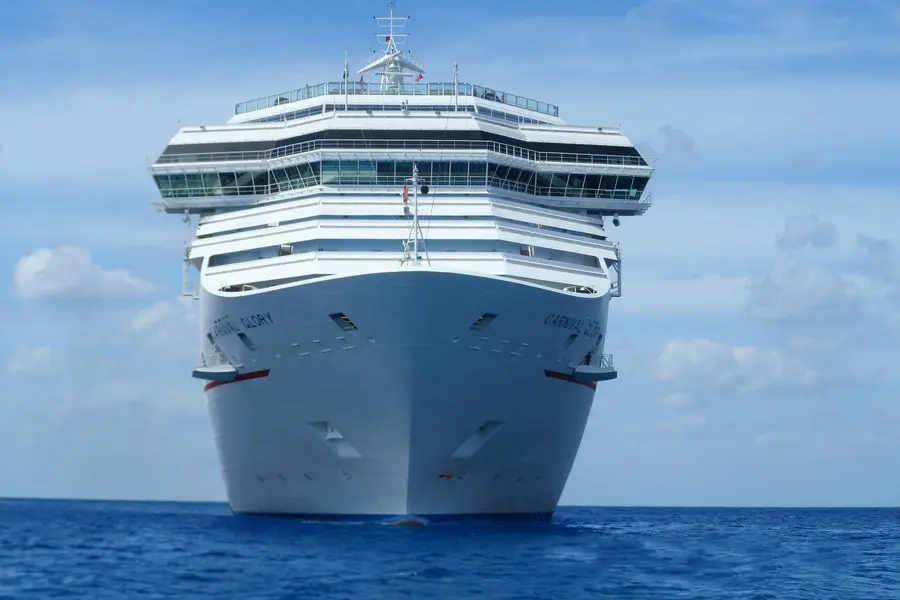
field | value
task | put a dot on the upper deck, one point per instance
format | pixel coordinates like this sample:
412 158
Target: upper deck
445 89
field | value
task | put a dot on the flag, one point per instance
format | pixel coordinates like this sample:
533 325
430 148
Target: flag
405 194
387 38
419 77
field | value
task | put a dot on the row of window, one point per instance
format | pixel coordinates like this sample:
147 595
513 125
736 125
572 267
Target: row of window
290 116
499 114
370 173
347 144
327 108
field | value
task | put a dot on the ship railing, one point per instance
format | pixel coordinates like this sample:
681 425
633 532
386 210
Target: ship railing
601 361
248 195
418 145
216 358
356 88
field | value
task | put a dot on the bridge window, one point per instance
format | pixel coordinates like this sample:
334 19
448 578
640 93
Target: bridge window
370 173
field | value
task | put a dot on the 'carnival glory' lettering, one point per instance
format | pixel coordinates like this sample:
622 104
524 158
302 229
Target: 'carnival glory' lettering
225 326
257 320
588 327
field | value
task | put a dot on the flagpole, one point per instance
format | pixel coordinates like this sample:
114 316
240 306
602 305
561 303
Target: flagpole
456 86
346 81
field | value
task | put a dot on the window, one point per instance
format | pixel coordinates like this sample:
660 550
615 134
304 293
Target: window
343 321
246 340
372 173
483 322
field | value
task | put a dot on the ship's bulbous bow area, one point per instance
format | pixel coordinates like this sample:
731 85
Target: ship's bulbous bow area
405 393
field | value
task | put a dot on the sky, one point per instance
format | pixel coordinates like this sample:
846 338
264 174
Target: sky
757 335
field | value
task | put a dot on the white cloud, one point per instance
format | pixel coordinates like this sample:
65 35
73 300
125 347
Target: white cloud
677 146
881 259
807 230
25 360
823 307
678 399
93 227
796 293
120 437
68 271
163 316
683 424
695 226
168 325
705 295
706 365
768 438
829 439
111 422
815 312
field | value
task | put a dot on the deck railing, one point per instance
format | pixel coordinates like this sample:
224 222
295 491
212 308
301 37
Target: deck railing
340 88
417 145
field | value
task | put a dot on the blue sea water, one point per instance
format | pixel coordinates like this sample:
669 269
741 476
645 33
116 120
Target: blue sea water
79 549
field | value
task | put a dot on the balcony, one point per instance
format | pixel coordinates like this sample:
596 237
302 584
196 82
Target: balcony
595 368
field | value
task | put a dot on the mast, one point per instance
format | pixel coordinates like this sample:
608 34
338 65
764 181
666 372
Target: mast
346 80
393 60
415 182
415 231
456 85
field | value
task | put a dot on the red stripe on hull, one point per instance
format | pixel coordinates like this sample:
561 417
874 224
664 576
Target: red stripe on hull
241 377
569 377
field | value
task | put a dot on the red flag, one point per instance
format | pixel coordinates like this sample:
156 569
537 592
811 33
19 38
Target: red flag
419 77
387 38
405 194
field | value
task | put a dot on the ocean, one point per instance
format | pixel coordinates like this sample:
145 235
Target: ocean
98 550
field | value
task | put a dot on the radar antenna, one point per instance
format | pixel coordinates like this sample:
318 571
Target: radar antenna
393 60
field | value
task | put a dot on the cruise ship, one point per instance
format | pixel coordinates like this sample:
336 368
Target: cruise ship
404 290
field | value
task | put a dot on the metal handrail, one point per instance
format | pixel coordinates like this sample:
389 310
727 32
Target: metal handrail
341 144
335 88
216 358
379 183
601 361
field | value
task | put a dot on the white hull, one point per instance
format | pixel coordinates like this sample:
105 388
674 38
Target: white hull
405 391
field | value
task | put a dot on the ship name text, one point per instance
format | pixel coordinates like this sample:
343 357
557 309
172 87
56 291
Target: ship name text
257 320
588 327
225 326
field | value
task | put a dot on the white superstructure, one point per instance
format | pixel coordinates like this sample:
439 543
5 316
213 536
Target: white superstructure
404 290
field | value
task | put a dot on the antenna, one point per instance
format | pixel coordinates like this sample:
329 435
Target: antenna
415 231
187 288
346 80
393 60
456 85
